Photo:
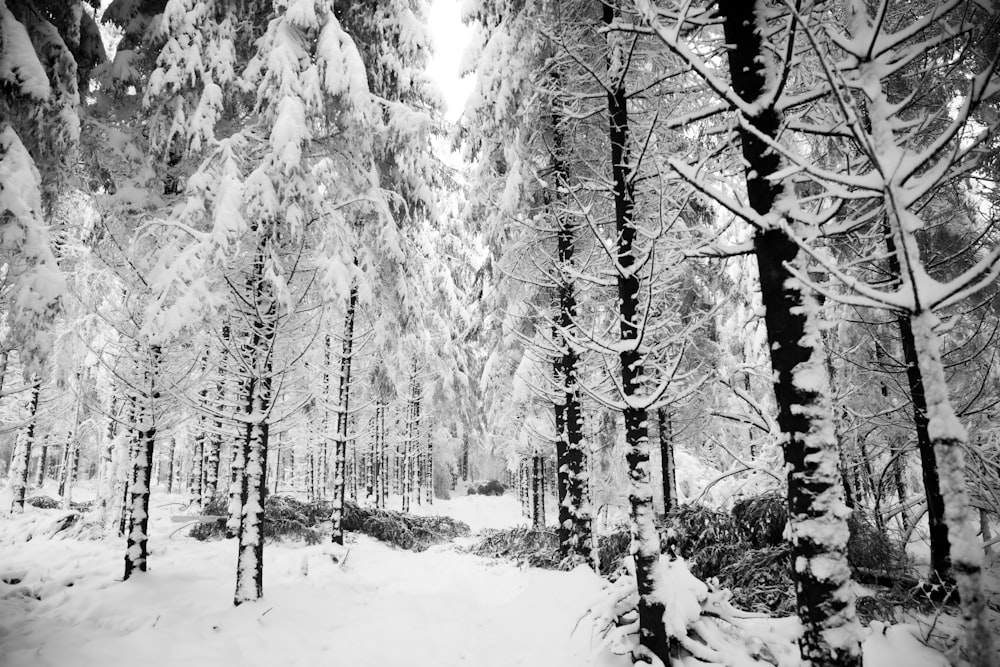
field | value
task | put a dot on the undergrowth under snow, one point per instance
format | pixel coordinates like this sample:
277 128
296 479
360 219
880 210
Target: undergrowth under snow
63 604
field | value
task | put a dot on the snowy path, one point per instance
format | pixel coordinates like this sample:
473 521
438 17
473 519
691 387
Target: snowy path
384 607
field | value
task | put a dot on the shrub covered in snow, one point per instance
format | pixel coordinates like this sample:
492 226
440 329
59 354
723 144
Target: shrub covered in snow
491 487
286 517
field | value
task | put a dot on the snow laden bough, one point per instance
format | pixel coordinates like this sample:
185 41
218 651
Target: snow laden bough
704 628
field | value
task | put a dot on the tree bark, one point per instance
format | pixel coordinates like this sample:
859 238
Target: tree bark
70 454
645 545
576 542
817 513
19 465
252 484
137 546
343 412
667 467
43 462
538 492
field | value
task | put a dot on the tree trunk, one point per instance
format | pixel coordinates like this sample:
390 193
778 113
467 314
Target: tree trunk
379 456
817 513
645 547
667 466
538 492
949 438
343 421
22 453
171 451
429 470
898 466
127 453
197 472
43 461
984 528
576 542
70 455
252 484
106 483
137 546
937 527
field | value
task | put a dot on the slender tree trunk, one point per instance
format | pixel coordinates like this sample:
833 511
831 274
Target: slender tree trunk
576 542
253 454
237 477
126 453
197 471
343 421
538 492
213 441
898 466
378 456
817 513
645 546
199 498
43 462
70 454
937 526
984 528
170 464
429 470
137 546
106 484
948 437
667 466
4 357
22 452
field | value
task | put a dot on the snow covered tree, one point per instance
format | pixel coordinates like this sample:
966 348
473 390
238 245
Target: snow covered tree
761 94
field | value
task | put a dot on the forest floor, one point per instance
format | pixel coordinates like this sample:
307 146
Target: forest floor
63 604
379 606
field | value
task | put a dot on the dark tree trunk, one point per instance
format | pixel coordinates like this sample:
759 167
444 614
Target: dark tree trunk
22 453
645 537
379 456
343 421
252 483
137 546
213 441
429 470
197 482
71 454
937 528
667 467
538 492
237 478
43 461
171 452
132 454
817 515
898 466
574 530
4 357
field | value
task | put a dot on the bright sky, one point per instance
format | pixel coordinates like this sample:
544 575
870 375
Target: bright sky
450 39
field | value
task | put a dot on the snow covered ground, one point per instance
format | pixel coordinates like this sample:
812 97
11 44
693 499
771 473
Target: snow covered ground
383 606
63 604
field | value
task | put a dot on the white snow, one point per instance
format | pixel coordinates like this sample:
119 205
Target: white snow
375 606
62 602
